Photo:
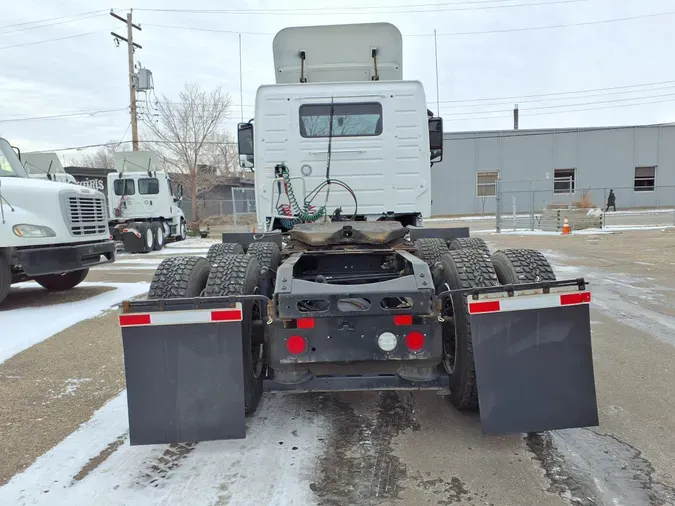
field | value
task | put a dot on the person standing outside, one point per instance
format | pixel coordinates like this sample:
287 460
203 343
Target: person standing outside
611 200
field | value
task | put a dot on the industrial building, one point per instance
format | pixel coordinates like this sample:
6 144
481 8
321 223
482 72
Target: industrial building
540 167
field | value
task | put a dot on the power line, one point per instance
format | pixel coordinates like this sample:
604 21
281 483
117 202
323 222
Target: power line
52 24
24 23
569 105
521 134
560 112
50 40
333 12
519 97
315 9
65 115
546 27
447 34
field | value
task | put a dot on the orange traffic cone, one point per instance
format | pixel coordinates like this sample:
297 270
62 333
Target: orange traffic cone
566 227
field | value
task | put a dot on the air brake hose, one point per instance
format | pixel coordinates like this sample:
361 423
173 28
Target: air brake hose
302 214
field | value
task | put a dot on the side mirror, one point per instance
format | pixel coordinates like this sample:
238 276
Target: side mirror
436 139
245 144
179 191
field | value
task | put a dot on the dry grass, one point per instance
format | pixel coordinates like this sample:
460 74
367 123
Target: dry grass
585 202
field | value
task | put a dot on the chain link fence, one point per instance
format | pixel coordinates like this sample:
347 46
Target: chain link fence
520 204
236 213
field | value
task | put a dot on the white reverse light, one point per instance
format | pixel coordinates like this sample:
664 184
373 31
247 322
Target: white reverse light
387 341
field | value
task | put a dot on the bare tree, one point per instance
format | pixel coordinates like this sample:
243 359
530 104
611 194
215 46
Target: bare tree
104 158
185 135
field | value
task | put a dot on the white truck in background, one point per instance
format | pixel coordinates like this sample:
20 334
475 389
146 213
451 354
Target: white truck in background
143 209
50 232
45 166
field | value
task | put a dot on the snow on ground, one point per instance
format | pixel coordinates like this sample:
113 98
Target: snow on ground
272 466
24 327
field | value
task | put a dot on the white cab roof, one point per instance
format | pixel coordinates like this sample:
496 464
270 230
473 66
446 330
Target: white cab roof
338 53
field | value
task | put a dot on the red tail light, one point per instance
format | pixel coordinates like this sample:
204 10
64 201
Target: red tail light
305 323
414 341
296 345
403 319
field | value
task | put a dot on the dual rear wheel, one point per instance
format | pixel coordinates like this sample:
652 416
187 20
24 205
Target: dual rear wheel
228 272
467 264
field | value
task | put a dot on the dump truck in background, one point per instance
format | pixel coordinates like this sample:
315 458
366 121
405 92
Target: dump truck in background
50 232
144 211
341 288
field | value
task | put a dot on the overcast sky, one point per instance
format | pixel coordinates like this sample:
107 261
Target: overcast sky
86 72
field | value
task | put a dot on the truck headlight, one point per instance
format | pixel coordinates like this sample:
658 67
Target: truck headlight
32 231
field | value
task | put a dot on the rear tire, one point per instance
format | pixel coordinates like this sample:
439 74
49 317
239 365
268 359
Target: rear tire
179 277
147 237
518 266
227 248
469 243
269 258
466 268
59 282
5 278
430 249
238 275
158 232
181 231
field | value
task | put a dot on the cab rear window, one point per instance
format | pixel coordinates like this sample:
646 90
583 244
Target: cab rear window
124 187
349 119
148 186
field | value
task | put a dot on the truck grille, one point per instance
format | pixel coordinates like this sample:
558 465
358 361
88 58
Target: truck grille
86 215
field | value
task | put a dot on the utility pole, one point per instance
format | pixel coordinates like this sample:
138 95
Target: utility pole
129 39
515 117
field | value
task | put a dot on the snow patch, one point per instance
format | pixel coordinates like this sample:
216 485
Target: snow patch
274 465
595 213
70 387
27 326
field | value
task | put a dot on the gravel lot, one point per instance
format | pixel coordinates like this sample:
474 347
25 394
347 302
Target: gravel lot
352 448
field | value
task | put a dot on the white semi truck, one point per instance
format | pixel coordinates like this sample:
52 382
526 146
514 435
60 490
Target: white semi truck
357 296
144 211
50 232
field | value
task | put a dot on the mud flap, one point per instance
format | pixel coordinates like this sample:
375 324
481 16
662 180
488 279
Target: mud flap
534 368
185 382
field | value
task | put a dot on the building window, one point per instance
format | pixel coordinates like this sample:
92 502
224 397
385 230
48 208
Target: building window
486 183
564 180
148 186
645 179
124 187
349 119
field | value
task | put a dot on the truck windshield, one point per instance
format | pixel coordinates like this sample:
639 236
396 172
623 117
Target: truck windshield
349 120
10 166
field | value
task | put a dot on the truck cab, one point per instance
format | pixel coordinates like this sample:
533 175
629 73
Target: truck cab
50 232
143 205
340 111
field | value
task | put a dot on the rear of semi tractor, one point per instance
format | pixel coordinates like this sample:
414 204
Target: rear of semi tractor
341 287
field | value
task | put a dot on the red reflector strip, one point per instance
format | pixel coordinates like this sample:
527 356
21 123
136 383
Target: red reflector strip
305 323
182 317
403 319
226 315
132 319
575 298
488 306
